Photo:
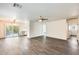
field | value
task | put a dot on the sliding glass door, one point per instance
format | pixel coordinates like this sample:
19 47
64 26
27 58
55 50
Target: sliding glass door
12 30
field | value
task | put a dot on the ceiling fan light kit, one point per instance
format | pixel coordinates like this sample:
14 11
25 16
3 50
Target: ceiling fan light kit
41 18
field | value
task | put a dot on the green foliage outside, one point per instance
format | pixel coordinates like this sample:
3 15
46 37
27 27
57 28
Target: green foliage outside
14 29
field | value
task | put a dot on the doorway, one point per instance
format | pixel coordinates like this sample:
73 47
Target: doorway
72 27
12 30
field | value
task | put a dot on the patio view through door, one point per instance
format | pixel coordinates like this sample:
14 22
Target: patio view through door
12 30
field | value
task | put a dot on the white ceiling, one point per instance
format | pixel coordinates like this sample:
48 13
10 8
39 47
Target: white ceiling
54 11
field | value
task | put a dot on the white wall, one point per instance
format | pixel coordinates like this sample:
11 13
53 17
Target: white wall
35 29
57 29
25 26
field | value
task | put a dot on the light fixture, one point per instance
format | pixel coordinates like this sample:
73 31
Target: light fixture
72 17
17 5
41 18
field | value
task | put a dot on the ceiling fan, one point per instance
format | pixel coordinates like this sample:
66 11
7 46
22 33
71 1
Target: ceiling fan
72 17
41 18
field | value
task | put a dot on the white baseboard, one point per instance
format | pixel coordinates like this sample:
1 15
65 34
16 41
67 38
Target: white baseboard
35 36
58 38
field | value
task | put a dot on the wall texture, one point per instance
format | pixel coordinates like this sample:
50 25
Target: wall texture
25 26
57 29
2 30
35 29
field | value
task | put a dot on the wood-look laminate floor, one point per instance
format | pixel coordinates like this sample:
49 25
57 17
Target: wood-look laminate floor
72 46
37 46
